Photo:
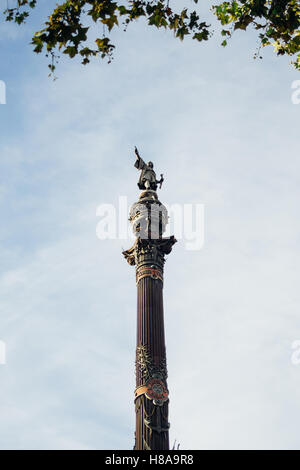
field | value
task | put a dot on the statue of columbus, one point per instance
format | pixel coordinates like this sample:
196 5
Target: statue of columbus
148 176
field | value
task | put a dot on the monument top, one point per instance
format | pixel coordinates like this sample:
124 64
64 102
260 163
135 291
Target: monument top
147 178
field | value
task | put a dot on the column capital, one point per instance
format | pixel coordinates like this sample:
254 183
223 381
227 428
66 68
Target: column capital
149 252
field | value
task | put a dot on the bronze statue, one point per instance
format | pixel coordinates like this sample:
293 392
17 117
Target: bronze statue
148 176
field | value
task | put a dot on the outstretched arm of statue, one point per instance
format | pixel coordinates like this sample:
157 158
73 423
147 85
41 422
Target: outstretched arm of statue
160 182
139 163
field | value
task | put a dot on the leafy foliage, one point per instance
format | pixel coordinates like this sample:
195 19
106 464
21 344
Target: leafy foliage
66 30
278 23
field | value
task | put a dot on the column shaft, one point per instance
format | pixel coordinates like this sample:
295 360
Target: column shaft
151 420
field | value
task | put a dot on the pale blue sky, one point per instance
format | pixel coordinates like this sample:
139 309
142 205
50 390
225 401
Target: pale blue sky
223 130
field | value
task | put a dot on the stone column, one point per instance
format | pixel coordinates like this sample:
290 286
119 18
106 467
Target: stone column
149 218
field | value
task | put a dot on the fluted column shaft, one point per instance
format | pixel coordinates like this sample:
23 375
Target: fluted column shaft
151 339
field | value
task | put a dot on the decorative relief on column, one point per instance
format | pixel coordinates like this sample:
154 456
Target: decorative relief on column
156 420
146 368
152 377
152 394
152 272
